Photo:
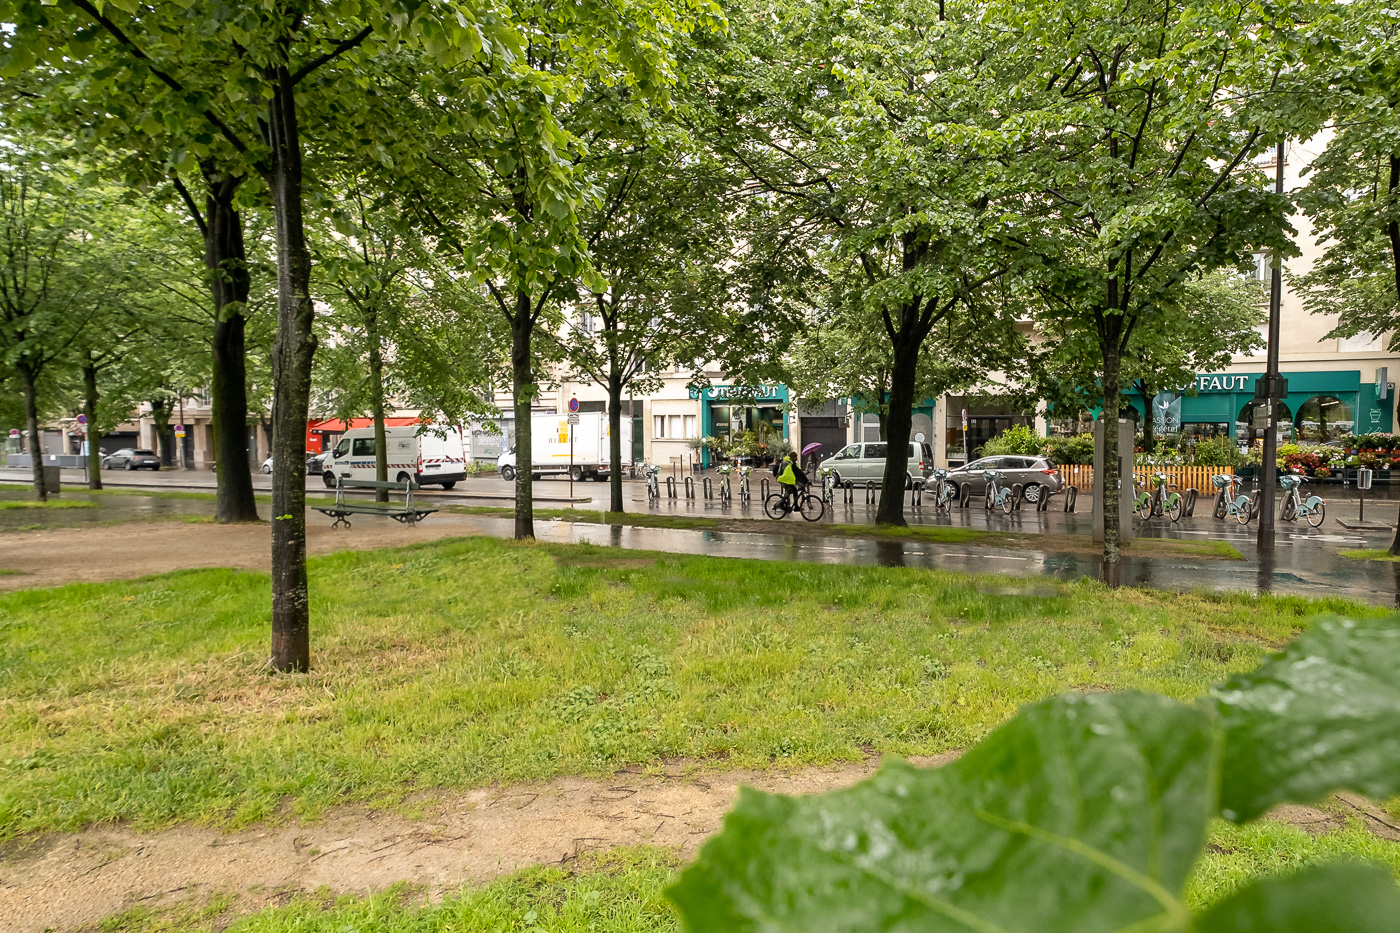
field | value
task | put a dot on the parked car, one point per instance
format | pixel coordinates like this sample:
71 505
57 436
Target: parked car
1036 474
267 465
865 463
131 459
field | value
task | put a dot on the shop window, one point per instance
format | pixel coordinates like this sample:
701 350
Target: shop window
1322 418
1249 423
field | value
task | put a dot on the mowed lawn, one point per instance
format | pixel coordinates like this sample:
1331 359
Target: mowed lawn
477 661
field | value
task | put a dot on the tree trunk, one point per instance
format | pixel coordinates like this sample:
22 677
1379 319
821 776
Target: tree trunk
376 392
1149 420
225 259
522 393
897 425
90 410
615 444
29 378
1112 475
292 355
160 430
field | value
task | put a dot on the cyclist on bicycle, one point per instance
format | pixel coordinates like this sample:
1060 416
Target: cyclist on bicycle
790 477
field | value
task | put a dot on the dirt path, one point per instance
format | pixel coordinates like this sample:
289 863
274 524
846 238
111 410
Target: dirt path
120 552
62 881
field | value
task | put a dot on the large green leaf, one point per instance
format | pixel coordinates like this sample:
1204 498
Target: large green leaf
1341 898
1324 715
1083 813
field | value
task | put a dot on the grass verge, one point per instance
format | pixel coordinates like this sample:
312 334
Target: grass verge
467 662
9 504
1378 553
942 534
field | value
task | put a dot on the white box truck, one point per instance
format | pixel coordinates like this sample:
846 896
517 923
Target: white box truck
550 437
428 454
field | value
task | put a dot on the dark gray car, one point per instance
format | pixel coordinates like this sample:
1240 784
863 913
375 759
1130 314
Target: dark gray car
1036 474
130 459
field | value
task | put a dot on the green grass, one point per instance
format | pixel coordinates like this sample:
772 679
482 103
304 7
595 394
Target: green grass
622 891
475 661
1379 553
49 504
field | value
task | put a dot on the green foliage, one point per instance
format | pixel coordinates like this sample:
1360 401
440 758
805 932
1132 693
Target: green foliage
1078 449
1082 813
1215 452
1018 439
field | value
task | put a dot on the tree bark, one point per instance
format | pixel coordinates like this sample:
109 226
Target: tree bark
376 389
1112 475
897 425
29 378
522 393
1149 420
225 259
615 444
293 351
90 410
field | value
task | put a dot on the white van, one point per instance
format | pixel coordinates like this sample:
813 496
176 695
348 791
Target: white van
433 458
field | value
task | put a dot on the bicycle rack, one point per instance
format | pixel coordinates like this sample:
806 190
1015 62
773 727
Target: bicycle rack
763 489
848 493
670 487
1188 503
1071 497
1043 503
916 496
1017 490
690 487
966 497
708 489
871 495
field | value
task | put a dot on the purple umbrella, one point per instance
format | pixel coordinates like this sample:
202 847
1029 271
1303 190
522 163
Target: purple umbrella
811 447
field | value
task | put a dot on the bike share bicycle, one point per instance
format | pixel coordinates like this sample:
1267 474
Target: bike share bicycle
1232 500
1161 501
653 489
724 494
998 496
943 491
1314 508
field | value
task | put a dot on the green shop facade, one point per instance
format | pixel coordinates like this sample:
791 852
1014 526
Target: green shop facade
1319 407
727 411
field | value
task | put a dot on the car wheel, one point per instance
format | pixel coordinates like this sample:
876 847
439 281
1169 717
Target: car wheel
576 474
908 481
449 484
266 469
129 467
508 474
403 478
835 478
1031 493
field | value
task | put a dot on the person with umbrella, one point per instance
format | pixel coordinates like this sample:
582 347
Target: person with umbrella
810 452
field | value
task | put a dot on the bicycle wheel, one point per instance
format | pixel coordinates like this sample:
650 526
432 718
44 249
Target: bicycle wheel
812 507
1006 501
1144 507
1317 514
1173 508
987 501
1221 510
775 508
1244 510
1289 512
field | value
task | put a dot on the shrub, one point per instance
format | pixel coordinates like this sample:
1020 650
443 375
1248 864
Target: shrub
1216 452
1078 449
1017 440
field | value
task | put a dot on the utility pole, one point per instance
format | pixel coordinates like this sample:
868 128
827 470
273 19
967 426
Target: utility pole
1271 390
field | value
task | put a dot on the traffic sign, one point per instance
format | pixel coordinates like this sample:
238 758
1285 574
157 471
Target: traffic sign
179 427
14 432
573 418
82 419
573 406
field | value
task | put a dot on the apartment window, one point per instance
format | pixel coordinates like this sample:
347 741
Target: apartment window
675 427
1263 268
1361 343
658 425
690 426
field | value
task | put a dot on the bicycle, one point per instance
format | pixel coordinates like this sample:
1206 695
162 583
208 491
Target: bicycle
944 492
1232 501
778 507
653 487
828 485
724 494
1159 502
744 492
1314 509
997 496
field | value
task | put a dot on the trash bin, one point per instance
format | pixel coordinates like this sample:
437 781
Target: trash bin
51 485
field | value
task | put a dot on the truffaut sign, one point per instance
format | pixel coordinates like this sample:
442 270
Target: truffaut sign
1227 383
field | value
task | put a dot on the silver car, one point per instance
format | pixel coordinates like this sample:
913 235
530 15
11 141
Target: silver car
1036 474
865 463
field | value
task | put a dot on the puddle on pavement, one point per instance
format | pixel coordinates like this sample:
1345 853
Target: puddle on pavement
107 509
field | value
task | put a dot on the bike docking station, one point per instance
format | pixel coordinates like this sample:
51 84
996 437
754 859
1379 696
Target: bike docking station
1363 483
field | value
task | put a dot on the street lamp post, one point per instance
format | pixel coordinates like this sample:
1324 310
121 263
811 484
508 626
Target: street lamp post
1270 390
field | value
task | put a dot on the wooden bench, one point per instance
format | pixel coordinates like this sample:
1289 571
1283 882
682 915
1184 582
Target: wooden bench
408 513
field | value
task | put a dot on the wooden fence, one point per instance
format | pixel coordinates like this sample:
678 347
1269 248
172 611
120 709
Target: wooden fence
1183 477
